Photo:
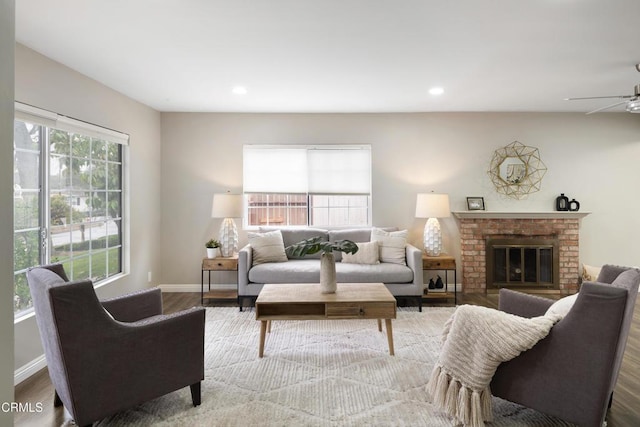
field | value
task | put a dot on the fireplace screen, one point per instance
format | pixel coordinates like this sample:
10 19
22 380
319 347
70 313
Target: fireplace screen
522 263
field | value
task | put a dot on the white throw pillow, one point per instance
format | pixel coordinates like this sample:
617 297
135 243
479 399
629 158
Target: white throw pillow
590 273
367 254
267 247
562 306
392 245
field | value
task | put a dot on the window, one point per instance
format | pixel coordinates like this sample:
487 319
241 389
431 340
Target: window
68 197
307 185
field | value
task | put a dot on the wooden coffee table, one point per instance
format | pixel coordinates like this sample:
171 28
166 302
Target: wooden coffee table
303 301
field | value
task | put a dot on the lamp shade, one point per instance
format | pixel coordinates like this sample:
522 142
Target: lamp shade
226 206
432 205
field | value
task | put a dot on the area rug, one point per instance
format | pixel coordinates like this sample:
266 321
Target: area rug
316 373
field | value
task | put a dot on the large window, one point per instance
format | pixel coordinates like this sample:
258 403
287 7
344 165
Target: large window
307 185
68 198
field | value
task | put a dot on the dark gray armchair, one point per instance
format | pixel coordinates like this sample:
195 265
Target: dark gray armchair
110 356
571 373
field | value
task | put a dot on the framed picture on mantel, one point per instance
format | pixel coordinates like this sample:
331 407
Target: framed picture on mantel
475 203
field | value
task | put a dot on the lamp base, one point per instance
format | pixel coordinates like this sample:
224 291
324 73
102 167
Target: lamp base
432 237
228 237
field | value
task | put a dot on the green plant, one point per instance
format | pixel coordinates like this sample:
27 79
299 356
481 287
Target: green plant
316 244
212 244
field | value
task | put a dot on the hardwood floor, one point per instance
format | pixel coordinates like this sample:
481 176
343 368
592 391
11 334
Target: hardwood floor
624 412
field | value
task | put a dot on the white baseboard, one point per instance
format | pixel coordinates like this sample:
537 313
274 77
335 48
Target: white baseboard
29 369
194 288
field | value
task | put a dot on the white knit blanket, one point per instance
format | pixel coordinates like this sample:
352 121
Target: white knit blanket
475 341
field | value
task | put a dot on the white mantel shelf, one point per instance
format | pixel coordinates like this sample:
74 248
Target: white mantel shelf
518 215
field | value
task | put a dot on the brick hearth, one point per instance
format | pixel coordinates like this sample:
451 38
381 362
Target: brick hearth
476 227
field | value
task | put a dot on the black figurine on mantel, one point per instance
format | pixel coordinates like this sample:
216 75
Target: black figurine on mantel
574 205
562 203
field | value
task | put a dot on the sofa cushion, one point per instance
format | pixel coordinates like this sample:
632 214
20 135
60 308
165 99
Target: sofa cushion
371 273
392 245
358 235
292 271
308 271
367 254
267 247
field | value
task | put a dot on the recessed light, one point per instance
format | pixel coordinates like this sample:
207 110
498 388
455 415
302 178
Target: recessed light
239 90
436 91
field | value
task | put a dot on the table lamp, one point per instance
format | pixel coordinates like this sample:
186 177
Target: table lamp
227 206
432 206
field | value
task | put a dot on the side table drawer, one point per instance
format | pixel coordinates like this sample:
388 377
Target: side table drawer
436 264
222 264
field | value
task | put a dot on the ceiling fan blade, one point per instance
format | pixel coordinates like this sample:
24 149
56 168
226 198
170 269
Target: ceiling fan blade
607 107
600 97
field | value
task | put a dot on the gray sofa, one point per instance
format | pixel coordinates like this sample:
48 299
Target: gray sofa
402 280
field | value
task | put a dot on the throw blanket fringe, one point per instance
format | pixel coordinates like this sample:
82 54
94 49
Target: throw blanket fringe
476 340
469 406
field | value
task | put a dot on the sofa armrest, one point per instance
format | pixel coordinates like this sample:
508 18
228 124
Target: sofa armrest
245 259
135 306
414 262
521 304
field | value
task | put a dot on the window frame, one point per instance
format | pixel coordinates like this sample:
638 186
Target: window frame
48 122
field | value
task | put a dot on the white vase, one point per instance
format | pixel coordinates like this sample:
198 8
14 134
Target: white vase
212 252
328 273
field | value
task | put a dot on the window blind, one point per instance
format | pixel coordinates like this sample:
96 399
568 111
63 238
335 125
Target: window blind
339 171
326 169
88 129
37 116
30 114
268 169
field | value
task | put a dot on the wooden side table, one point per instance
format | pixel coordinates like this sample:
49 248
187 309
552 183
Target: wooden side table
444 263
218 264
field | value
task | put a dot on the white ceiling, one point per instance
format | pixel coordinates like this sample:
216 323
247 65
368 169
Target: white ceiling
345 55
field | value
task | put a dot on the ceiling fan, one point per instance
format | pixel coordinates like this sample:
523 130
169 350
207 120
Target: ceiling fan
632 101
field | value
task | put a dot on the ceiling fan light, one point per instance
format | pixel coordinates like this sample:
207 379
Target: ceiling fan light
633 106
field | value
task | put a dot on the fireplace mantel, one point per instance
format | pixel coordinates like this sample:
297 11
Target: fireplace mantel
518 215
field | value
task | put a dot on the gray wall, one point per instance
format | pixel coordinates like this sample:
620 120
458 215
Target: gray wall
591 158
47 84
7 26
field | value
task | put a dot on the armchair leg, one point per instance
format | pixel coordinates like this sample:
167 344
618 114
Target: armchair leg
56 400
196 394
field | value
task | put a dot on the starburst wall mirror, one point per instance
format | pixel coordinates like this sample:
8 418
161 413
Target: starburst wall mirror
516 170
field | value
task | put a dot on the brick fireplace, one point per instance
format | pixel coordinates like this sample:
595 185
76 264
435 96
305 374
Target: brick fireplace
476 228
